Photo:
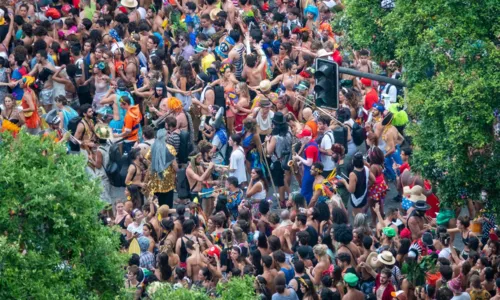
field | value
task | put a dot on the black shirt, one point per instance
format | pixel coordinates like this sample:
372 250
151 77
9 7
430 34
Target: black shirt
313 235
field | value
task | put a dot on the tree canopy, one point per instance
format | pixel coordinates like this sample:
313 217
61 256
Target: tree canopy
450 57
53 244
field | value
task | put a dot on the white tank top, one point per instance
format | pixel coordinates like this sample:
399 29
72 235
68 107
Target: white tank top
260 195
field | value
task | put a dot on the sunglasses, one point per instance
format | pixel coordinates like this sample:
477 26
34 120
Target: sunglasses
181 40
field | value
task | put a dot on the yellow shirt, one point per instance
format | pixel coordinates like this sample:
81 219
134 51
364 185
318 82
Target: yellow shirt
207 61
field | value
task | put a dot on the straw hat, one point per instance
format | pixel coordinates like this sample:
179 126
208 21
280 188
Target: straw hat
386 258
103 131
416 194
265 85
129 3
372 260
214 12
406 191
323 52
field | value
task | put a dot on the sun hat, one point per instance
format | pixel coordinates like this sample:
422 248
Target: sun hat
304 133
386 258
278 118
323 52
389 231
265 103
416 194
372 260
351 279
129 3
265 85
214 12
103 131
422 205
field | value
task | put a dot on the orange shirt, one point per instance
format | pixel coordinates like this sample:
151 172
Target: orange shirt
132 122
314 128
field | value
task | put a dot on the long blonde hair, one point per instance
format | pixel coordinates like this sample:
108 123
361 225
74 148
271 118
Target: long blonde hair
243 87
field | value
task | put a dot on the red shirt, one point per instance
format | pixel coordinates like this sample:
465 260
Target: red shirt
337 57
312 152
370 99
404 167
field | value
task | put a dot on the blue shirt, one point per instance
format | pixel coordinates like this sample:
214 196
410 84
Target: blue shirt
33 61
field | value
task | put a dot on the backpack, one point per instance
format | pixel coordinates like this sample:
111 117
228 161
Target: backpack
72 125
219 96
182 184
185 147
117 167
286 151
358 134
340 136
399 91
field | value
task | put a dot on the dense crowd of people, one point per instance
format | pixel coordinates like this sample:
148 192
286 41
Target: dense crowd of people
203 112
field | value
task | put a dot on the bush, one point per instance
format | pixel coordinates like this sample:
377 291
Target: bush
54 246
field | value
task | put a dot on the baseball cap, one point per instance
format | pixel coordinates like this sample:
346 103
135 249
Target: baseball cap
304 133
213 251
366 81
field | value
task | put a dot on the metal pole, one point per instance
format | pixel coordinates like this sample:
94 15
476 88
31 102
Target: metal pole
371 76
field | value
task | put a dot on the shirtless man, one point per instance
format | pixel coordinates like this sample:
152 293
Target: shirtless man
416 221
353 293
285 227
198 176
269 272
251 71
389 141
129 74
85 129
158 21
143 38
43 68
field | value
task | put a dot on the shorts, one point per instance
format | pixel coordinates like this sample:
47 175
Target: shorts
362 204
278 174
47 97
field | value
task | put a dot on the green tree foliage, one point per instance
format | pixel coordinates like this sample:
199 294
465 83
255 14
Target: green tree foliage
235 288
53 245
449 50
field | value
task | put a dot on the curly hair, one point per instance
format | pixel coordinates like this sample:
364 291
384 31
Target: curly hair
342 234
339 149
